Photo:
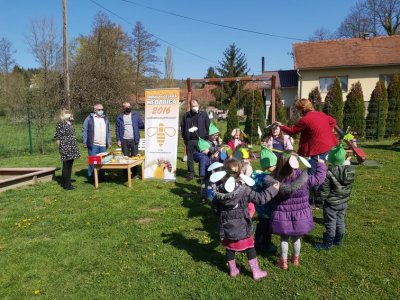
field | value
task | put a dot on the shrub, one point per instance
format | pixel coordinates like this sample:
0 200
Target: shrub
316 99
377 112
255 117
393 117
333 105
232 120
354 110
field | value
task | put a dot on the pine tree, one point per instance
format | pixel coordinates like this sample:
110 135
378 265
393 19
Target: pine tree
354 110
233 64
374 111
316 99
334 103
254 117
393 117
280 109
232 120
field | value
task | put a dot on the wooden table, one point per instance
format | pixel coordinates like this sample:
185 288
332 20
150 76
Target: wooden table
117 166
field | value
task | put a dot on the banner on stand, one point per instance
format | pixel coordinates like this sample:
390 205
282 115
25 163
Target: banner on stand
161 132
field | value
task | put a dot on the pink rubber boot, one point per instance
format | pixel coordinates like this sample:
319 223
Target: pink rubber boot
295 260
255 269
282 263
233 269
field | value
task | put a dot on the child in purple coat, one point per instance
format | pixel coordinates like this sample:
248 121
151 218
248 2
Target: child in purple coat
291 213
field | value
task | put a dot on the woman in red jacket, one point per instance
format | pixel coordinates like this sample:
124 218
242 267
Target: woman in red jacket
316 133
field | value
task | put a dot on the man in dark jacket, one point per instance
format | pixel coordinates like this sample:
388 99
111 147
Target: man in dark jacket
127 132
334 193
200 120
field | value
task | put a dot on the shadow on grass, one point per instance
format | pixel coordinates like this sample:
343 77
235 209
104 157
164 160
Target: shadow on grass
199 250
310 239
383 147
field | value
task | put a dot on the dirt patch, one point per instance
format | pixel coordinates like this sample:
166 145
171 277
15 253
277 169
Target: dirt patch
144 220
155 209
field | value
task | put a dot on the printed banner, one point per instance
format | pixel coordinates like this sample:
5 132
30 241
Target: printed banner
161 130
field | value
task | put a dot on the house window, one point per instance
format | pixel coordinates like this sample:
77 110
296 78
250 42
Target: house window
386 78
325 83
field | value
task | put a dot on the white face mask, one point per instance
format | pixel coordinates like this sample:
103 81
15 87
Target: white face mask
100 113
195 109
67 116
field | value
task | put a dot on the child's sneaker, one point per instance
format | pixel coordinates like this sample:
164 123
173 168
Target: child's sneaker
282 263
295 260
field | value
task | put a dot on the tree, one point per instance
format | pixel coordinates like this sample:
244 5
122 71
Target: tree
45 92
211 73
102 69
233 64
354 110
254 117
357 23
280 110
316 99
232 121
385 14
144 58
7 61
333 105
376 118
169 68
321 34
393 118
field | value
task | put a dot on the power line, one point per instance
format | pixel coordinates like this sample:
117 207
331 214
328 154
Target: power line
212 23
157 37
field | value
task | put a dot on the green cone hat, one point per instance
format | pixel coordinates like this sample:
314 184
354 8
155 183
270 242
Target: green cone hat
203 145
267 158
212 129
337 155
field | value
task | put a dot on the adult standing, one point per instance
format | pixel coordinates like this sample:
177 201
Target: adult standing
96 135
316 135
193 118
316 132
68 148
127 130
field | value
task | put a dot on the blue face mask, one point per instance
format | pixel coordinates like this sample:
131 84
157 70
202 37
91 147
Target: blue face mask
100 113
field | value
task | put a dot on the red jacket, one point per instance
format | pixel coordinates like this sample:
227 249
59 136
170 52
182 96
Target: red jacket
317 135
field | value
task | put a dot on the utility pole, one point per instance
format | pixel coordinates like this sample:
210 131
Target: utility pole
67 100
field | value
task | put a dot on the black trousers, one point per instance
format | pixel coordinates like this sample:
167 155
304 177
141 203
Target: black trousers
130 148
66 172
191 147
251 254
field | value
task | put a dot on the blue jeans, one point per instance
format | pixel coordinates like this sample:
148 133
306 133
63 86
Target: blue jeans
96 149
311 171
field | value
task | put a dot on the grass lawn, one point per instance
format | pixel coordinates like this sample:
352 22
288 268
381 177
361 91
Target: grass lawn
157 241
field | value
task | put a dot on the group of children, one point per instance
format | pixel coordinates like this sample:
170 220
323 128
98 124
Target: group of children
279 192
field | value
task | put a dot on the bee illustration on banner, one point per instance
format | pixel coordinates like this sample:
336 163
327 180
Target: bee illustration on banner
161 131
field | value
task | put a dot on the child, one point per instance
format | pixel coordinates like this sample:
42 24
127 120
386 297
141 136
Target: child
208 151
275 139
291 212
263 235
230 202
237 139
335 193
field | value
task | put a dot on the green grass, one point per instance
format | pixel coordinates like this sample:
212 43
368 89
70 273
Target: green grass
157 241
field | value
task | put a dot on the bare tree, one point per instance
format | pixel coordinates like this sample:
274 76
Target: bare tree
45 93
386 14
169 68
357 23
321 34
144 57
44 43
6 56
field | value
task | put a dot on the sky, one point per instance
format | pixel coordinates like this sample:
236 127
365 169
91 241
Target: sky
195 46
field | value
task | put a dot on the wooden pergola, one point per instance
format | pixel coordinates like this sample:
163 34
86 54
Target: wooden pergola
272 79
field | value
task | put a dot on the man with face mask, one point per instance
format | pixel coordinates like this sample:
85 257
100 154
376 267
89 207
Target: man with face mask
127 131
200 120
96 135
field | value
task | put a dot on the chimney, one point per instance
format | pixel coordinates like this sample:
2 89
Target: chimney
262 64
